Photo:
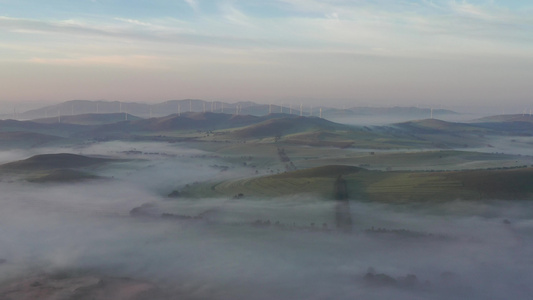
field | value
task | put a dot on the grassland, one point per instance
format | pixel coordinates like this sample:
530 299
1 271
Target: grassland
380 186
61 175
286 154
60 167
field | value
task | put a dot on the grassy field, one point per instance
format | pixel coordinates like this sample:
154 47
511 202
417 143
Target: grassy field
61 175
380 186
61 167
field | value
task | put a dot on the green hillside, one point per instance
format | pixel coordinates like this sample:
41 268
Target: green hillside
435 126
286 125
505 118
54 161
380 186
61 175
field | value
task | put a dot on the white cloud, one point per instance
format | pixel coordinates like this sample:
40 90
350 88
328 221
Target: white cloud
132 21
193 4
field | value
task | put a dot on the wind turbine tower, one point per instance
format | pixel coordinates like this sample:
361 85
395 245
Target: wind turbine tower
321 113
301 112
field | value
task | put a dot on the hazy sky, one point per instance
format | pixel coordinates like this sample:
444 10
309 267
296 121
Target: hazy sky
343 52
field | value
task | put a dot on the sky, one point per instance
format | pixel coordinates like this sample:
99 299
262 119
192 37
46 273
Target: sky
336 52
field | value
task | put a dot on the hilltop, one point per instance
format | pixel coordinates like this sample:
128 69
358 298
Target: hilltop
286 124
60 167
54 161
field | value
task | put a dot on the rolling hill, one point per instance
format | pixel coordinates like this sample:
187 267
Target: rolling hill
54 161
286 125
379 186
505 118
89 119
208 121
499 125
145 110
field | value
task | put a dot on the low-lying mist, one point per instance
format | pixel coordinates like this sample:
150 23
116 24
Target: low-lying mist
456 250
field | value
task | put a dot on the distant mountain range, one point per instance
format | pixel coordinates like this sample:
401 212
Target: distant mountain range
291 128
144 110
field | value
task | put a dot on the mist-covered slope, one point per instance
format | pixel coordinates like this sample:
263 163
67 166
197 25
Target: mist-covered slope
287 125
391 187
54 161
26 140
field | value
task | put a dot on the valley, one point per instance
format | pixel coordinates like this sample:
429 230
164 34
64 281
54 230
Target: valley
195 204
